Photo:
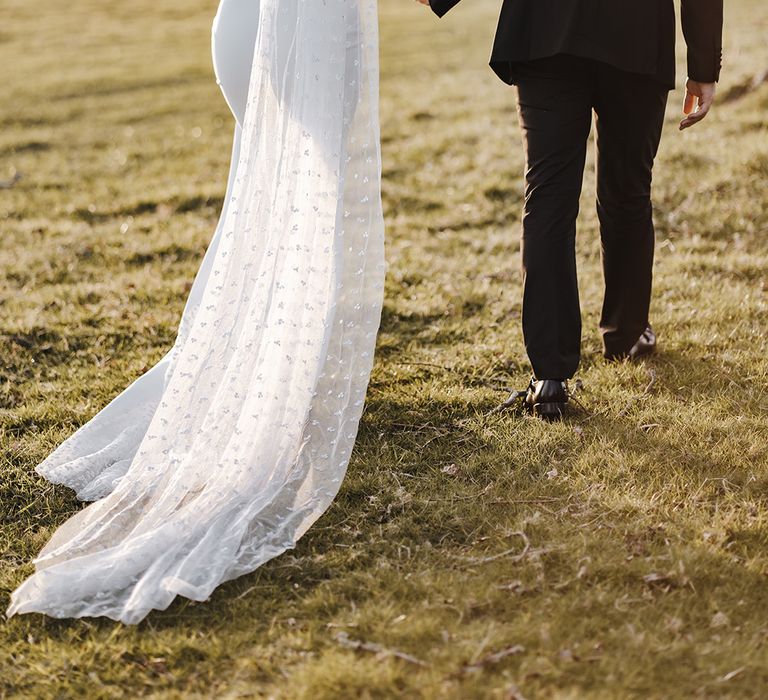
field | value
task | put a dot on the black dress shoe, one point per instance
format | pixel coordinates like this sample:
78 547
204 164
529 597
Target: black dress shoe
547 398
645 345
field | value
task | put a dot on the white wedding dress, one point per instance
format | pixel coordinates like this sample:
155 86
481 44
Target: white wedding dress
224 454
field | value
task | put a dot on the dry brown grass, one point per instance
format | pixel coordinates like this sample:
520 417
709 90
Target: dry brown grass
645 514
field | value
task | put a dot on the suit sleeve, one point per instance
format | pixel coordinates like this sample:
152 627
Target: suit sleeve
440 7
703 29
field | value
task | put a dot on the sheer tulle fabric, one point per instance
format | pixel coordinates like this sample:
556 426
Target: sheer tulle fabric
239 439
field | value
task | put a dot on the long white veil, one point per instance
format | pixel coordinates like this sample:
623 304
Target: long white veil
239 439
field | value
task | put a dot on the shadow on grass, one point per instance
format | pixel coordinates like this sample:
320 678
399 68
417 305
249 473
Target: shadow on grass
397 498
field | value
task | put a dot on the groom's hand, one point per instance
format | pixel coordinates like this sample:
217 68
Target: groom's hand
423 2
699 98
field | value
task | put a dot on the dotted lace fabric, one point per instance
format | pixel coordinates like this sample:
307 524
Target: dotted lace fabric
226 452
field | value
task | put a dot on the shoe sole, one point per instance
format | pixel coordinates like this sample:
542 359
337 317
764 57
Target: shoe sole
551 411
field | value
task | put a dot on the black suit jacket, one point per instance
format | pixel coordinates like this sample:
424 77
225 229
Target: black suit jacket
634 35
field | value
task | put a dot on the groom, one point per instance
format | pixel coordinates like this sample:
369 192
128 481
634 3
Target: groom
567 59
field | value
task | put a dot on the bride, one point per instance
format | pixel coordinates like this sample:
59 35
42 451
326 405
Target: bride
222 455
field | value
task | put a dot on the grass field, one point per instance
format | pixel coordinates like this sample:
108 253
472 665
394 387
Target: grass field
622 553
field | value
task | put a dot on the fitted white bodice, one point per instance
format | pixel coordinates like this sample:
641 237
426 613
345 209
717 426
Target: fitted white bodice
233 39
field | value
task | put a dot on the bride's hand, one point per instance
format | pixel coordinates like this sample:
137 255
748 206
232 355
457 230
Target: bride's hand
702 94
423 2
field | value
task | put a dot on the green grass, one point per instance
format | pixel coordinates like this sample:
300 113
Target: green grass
645 513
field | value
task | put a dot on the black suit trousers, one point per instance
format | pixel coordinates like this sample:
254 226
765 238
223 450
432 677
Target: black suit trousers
556 98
